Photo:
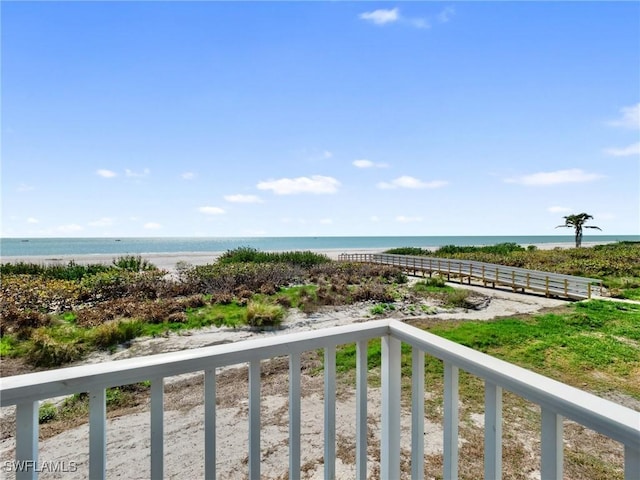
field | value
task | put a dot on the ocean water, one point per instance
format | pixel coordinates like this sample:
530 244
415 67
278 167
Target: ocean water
139 245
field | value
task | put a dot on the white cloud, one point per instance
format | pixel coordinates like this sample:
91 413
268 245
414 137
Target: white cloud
326 221
317 184
327 154
380 17
374 218
629 151
211 210
243 198
557 209
446 14
368 164
69 228
419 22
32 220
405 219
131 173
152 226
629 118
103 222
406 181
106 173
188 176
574 175
23 187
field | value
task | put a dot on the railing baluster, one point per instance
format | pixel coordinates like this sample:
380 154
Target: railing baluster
97 433
330 412
210 424
294 416
362 369
551 457
631 463
492 431
450 421
417 414
390 431
27 439
254 420
157 428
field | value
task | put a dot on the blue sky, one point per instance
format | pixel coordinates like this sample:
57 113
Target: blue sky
319 118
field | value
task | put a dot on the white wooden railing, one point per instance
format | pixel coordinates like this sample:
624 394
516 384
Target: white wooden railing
557 401
568 286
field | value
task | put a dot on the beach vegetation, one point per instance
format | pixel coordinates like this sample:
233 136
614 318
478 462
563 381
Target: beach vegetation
50 320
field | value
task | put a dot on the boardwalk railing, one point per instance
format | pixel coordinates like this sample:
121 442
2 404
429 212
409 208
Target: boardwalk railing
551 284
557 401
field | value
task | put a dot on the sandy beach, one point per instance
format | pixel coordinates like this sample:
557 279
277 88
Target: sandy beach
168 261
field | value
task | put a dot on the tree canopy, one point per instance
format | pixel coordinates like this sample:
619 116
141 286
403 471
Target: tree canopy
577 222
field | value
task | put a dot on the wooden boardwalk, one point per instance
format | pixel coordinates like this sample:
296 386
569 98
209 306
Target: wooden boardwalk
519 279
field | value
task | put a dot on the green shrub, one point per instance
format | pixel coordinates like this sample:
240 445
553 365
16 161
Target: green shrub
407 251
47 351
47 412
133 263
262 314
382 308
29 292
437 282
304 259
457 298
235 277
498 249
114 333
70 271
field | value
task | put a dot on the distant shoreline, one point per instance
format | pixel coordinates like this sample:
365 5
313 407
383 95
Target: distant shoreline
169 260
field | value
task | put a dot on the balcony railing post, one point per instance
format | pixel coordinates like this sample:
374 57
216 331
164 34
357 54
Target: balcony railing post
551 455
27 439
330 412
210 424
492 431
254 420
631 463
361 409
294 416
97 433
417 414
157 428
450 447
390 442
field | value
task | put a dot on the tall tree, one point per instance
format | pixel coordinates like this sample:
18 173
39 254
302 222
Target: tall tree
577 222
